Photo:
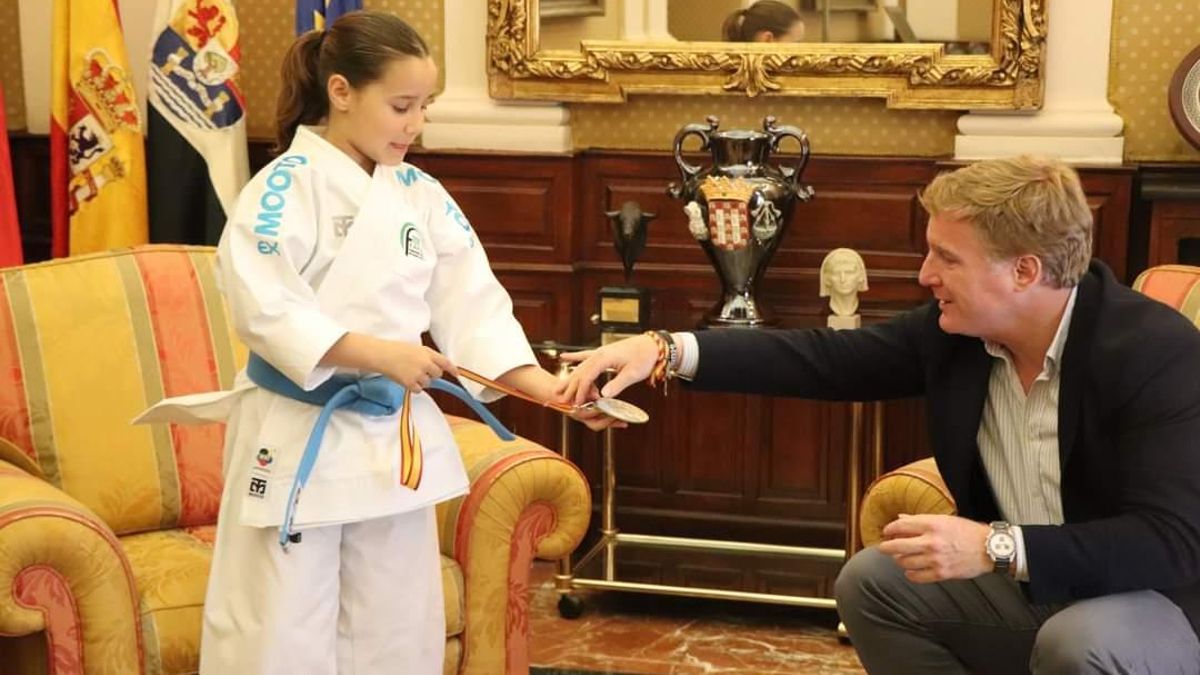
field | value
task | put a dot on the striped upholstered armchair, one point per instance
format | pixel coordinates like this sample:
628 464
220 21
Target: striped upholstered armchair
106 528
918 488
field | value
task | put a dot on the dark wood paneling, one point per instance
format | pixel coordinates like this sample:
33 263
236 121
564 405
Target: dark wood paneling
1171 217
710 465
1175 233
1109 193
541 302
520 206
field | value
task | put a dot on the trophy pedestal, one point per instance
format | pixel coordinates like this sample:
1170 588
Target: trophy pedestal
738 311
624 312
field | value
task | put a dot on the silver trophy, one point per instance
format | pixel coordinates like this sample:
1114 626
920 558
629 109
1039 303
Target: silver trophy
739 208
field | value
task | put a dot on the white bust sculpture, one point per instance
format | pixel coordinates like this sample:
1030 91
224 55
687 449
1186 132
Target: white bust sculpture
843 275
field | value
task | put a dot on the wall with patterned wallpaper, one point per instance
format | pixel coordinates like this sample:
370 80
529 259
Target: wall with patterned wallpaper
835 126
268 29
10 66
1150 37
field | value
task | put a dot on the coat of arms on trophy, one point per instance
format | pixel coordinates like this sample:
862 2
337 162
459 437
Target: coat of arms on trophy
728 211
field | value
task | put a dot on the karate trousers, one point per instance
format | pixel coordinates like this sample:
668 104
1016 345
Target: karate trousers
362 598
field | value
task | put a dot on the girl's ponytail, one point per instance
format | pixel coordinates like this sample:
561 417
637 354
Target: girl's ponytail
302 95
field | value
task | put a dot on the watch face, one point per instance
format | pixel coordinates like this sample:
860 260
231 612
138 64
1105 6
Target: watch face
1001 545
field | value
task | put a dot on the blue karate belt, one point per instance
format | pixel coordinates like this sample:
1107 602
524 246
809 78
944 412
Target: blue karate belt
375 395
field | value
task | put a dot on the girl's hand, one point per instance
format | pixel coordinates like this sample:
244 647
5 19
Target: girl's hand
413 366
542 386
632 358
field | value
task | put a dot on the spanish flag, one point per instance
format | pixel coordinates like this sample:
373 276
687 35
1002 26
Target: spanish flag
317 14
97 153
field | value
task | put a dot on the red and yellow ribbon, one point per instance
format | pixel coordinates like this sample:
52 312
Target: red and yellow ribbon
411 457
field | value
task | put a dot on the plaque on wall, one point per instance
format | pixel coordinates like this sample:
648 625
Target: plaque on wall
1183 97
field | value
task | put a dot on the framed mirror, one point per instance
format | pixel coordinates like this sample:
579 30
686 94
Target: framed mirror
894 53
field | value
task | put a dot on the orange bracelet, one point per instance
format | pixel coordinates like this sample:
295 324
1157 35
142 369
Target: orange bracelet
659 372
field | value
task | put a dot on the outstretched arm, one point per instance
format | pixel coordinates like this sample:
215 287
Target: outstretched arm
631 359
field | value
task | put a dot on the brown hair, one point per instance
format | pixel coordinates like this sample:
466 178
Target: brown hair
357 46
769 15
1020 206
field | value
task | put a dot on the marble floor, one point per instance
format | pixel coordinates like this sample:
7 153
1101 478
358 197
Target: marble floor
644 634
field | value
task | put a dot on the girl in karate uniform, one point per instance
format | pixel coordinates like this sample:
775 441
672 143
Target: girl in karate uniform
336 259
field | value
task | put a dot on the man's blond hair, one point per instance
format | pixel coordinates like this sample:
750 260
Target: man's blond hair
1021 206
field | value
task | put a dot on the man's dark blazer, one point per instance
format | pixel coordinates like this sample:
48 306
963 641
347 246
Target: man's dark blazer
1128 427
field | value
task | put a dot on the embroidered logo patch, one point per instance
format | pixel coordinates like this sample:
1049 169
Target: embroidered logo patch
410 237
260 470
264 458
258 487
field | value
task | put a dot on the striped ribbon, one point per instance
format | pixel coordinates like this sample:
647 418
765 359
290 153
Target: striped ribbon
563 408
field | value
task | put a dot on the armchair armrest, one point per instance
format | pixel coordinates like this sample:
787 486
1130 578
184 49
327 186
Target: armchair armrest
63 571
913 488
525 501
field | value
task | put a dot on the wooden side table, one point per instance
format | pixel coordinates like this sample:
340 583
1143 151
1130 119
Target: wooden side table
597 568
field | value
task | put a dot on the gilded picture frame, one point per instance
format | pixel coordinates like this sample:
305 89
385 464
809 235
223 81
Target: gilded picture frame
906 75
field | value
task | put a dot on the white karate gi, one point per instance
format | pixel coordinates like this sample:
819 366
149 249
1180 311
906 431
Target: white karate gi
316 248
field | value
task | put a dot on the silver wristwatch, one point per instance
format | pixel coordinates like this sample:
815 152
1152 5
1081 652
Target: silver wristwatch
1001 546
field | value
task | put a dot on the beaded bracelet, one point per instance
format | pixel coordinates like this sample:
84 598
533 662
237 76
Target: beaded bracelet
667 364
659 372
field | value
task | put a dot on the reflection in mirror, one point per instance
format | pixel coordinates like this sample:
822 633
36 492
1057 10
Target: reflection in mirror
958 54
964 26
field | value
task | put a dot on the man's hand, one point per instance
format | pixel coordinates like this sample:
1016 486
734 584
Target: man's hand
937 548
633 359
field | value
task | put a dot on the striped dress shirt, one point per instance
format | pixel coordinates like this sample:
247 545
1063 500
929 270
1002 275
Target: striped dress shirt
1018 439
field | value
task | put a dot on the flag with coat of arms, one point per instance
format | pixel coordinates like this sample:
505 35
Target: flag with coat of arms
317 14
197 152
97 150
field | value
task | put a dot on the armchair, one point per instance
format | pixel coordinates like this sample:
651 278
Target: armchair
106 529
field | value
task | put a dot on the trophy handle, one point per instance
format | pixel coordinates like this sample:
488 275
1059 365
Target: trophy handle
689 171
778 133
